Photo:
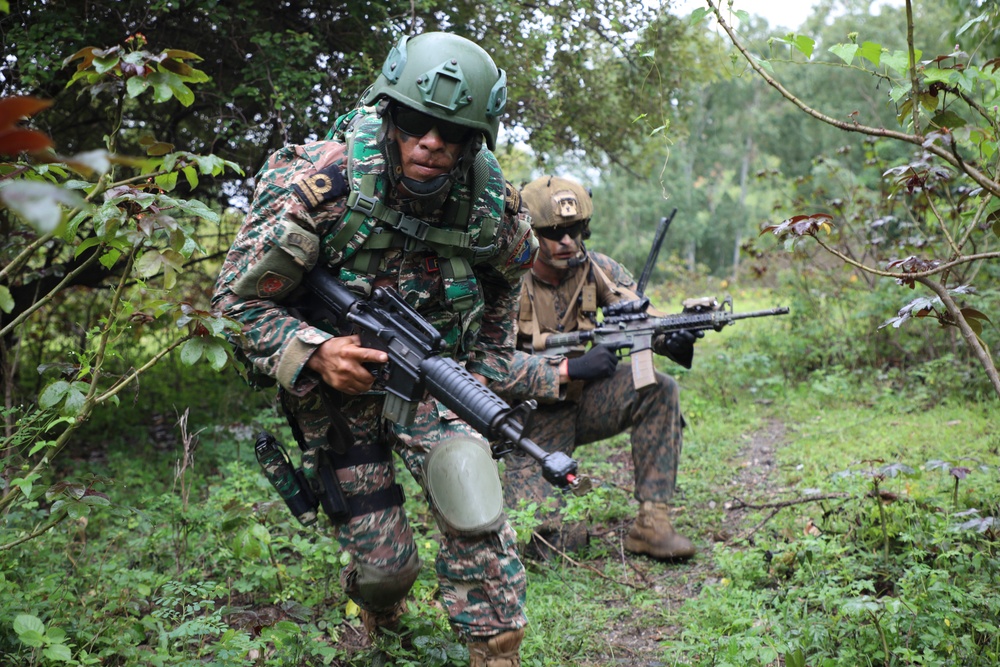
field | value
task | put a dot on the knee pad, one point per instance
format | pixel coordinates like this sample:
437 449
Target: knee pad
464 487
378 589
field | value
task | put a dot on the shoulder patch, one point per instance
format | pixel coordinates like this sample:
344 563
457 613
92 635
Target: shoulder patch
521 257
321 186
272 285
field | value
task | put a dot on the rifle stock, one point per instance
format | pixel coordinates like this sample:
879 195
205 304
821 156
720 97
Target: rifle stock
386 322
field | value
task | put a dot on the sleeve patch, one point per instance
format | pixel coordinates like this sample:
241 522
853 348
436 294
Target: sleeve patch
272 285
521 257
321 186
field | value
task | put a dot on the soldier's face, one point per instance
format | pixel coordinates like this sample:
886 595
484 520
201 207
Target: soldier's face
561 250
426 156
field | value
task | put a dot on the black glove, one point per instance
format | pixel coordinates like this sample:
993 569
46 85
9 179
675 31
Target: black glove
599 362
678 346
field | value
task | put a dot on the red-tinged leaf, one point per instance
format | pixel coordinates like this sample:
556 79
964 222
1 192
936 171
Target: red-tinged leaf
177 67
159 148
973 314
959 472
13 142
14 109
103 53
183 55
87 53
801 225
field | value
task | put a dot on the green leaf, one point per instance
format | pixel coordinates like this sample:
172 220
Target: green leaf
192 350
871 52
948 119
6 300
899 61
28 623
58 652
199 209
161 88
149 264
698 15
77 510
191 175
75 398
40 445
743 15
136 86
55 635
805 44
53 394
179 89
765 64
216 354
844 51
167 181
105 64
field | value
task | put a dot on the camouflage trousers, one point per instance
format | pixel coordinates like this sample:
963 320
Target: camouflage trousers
606 408
481 578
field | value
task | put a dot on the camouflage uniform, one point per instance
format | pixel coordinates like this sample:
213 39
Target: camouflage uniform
579 413
304 193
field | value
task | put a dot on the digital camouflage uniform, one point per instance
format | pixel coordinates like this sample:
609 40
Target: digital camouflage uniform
579 413
301 196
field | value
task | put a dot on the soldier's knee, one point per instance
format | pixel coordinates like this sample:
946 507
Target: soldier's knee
666 387
379 588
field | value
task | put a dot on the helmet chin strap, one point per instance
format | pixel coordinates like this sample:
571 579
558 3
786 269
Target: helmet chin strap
438 186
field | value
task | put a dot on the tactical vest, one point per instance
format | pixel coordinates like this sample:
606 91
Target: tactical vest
587 289
369 227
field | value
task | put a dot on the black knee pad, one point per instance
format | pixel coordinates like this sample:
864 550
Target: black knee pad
377 589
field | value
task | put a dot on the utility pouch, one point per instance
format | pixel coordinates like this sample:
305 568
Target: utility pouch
290 483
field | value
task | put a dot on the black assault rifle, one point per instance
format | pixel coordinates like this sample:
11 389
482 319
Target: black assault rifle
384 321
627 326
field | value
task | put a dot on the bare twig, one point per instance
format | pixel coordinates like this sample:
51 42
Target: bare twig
577 563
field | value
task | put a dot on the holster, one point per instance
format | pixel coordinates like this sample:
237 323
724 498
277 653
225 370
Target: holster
340 451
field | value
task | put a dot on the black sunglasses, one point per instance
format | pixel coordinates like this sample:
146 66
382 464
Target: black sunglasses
417 124
556 233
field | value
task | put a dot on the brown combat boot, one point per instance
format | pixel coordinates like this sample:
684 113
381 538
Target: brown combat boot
504 650
376 622
652 534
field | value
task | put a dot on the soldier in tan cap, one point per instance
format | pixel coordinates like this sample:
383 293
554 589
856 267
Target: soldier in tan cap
586 395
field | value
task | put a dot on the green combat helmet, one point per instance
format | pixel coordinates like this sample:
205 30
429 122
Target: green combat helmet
447 77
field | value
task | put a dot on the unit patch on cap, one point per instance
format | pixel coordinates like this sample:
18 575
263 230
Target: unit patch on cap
565 204
321 186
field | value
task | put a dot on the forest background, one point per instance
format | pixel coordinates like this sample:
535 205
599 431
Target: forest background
840 466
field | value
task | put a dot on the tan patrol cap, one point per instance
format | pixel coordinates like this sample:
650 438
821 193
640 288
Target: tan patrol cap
554 201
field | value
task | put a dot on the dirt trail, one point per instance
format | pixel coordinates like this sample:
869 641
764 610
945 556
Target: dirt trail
638 645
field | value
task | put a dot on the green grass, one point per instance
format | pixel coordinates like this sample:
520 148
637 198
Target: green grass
908 577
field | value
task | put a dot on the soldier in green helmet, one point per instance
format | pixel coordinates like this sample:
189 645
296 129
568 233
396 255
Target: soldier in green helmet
404 192
584 394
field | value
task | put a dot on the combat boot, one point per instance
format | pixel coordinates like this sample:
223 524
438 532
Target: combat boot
652 534
504 650
378 622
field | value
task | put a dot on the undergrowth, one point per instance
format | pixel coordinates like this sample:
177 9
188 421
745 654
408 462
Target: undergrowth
867 538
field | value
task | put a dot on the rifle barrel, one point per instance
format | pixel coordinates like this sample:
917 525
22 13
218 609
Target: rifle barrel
780 310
